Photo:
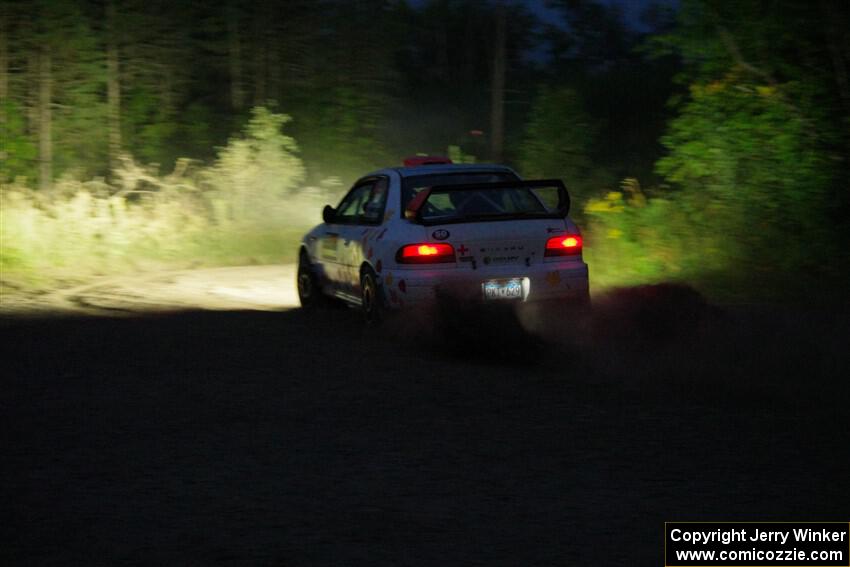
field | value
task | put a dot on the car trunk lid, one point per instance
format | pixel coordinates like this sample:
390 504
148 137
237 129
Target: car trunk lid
494 244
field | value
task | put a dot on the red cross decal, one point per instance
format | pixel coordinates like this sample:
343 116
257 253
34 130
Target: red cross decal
463 250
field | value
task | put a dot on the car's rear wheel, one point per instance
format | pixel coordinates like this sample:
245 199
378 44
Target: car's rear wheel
309 290
371 300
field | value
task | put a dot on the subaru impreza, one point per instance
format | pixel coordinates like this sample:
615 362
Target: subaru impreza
432 232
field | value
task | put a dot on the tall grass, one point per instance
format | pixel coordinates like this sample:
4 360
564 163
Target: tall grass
85 233
248 207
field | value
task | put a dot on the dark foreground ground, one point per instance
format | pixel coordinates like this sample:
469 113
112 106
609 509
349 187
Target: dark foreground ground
244 438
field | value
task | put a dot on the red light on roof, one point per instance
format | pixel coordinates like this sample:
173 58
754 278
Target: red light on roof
416 161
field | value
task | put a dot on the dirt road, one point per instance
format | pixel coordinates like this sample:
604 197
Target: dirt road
241 287
251 437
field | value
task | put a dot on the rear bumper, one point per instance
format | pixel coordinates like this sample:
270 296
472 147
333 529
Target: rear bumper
547 281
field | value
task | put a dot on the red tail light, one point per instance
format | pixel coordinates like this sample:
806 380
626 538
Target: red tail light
565 245
429 253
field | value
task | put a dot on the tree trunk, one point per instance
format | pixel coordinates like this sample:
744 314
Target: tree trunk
261 52
839 65
497 93
4 63
469 45
45 126
260 76
840 56
274 71
275 44
234 55
32 89
113 87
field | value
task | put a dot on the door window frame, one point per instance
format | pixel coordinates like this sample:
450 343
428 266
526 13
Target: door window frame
359 219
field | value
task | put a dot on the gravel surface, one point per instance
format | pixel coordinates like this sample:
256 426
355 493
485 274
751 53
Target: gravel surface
240 287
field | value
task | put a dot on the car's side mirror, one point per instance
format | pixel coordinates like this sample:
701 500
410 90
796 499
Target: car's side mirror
328 214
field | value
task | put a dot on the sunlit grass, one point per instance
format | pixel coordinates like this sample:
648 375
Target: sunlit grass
248 207
84 236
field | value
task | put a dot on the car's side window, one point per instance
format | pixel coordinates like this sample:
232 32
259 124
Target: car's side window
365 203
373 209
352 205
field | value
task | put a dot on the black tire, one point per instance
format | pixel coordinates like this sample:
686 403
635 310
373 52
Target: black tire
371 298
309 289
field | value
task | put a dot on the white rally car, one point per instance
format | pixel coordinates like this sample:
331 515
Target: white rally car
432 231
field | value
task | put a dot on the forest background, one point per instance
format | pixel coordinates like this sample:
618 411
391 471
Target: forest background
707 142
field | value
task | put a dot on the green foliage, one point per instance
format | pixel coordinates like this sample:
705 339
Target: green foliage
755 142
147 127
457 155
757 133
85 234
78 76
632 239
751 168
743 147
249 207
557 140
17 148
259 169
747 198
339 133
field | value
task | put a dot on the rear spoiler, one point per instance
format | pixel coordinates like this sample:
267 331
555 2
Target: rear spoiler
414 208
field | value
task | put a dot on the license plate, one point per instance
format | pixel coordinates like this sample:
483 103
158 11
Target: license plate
502 289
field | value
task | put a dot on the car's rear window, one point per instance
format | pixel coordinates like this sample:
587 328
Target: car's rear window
449 205
416 183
